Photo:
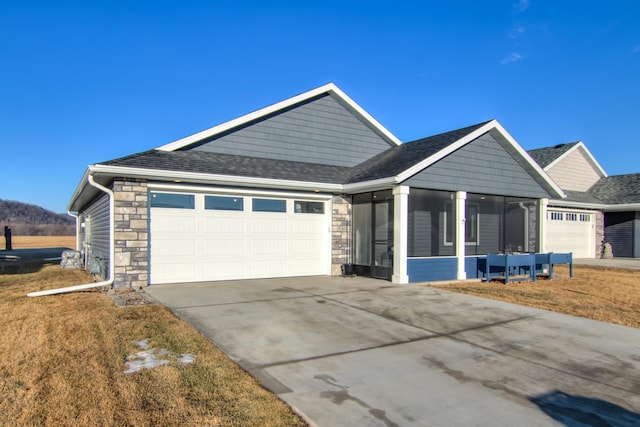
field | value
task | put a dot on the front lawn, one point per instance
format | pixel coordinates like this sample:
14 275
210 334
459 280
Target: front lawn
607 294
63 360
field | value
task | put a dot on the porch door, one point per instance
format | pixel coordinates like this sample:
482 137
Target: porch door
373 234
381 265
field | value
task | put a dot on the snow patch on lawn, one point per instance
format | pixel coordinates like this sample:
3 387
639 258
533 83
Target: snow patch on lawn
150 358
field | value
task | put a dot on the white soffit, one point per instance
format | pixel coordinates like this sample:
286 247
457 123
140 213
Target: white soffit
328 88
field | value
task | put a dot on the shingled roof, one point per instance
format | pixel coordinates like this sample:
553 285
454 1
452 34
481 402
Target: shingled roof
618 189
227 164
389 163
547 155
398 159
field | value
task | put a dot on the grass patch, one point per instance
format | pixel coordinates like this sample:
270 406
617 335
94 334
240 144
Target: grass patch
23 242
62 361
606 294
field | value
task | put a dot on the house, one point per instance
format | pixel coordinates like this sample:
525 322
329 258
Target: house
304 187
597 208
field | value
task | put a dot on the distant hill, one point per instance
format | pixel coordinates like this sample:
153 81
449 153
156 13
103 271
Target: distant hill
30 220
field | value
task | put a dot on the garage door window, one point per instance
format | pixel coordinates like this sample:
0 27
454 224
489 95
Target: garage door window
172 200
221 203
308 207
269 205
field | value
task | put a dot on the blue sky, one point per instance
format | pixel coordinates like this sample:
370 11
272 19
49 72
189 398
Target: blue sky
88 81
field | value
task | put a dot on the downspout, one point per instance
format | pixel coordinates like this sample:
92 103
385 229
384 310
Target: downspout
526 226
75 216
110 280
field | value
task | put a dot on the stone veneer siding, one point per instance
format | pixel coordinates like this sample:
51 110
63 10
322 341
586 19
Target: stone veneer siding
340 233
131 219
599 233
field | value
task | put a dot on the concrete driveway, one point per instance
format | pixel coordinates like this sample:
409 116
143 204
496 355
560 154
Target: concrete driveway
362 352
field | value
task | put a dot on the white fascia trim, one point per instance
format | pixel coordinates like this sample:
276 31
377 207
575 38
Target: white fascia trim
578 205
79 189
223 127
529 159
623 207
445 152
163 186
376 184
579 145
206 178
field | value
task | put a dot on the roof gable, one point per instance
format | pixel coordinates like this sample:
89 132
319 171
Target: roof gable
403 162
322 126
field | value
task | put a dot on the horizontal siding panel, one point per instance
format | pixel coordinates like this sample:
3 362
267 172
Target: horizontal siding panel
320 131
97 218
482 166
619 232
574 172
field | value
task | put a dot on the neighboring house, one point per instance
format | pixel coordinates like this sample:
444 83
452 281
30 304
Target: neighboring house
597 208
305 186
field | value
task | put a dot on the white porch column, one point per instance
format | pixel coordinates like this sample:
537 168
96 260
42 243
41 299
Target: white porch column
461 197
543 204
400 234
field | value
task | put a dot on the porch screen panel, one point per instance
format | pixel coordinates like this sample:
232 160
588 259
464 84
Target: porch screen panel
521 225
490 224
362 233
427 219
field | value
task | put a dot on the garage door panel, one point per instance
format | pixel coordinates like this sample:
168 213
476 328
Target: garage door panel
269 225
223 247
171 224
170 247
267 247
299 247
569 231
199 244
223 225
307 226
172 272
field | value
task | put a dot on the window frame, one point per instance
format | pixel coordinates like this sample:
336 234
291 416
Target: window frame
221 197
189 196
448 213
282 202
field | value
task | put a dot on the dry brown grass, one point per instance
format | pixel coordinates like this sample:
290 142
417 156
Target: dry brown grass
23 242
607 294
62 361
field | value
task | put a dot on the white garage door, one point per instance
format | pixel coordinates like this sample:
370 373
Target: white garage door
201 237
569 231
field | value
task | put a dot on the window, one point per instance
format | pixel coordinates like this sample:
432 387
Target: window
222 203
471 224
572 217
269 205
556 216
585 217
172 200
308 207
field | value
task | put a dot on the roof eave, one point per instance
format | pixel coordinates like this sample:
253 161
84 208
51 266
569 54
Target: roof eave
623 207
579 205
213 179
